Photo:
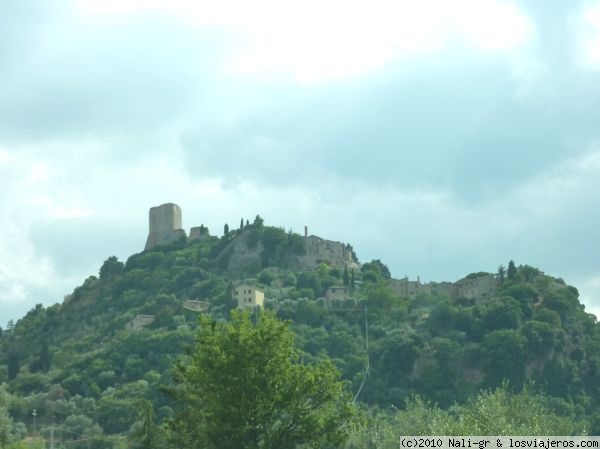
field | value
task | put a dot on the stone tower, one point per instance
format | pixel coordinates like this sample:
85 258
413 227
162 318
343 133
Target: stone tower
165 225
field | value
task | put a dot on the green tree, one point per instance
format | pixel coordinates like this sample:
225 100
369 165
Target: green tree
13 365
225 229
148 433
5 421
346 277
111 267
503 313
375 270
246 386
512 271
501 273
44 358
503 352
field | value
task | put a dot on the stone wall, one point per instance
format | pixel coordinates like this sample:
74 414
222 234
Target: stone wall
336 293
322 250
405 288
481 288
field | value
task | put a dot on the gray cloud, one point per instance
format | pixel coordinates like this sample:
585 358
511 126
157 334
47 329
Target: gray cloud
450 124
78 79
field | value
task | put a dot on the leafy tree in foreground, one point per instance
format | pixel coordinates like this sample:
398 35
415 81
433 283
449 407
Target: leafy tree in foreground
245 386
497 412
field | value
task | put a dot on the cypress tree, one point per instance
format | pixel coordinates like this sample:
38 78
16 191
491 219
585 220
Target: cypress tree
512 270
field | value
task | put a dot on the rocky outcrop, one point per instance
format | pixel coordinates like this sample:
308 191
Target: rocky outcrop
243 254
165 225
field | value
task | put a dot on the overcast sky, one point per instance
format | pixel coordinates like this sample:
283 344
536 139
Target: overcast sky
440 136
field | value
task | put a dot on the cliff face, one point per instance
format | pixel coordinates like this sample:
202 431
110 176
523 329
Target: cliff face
242 254
165 225
245 254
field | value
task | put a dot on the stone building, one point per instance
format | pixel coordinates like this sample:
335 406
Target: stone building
405 288
482 287
336 293
448 289
141 321
333 253
198 232
248 296
165 225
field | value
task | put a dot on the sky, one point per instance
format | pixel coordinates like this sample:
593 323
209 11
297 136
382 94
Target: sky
440 136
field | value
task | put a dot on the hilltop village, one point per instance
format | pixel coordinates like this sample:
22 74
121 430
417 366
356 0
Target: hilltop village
165 226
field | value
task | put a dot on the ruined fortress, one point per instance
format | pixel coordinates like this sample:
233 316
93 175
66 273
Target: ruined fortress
480 287
166 227
321 250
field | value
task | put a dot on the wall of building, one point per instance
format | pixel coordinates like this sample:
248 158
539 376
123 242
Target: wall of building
198 232
336 293
248 296
482 287
164 225
405 288
478 288
322 250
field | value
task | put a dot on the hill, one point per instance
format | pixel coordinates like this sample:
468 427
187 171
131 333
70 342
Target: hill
82 364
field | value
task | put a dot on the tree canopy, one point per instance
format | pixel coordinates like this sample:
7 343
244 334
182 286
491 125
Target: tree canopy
245 385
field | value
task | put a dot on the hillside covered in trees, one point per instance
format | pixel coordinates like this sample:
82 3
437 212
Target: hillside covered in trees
86 364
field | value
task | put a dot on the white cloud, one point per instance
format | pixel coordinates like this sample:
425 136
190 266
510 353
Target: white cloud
586 24
490 24
316 41
21 268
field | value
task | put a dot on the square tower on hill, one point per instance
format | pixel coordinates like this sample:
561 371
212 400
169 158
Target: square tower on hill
165 225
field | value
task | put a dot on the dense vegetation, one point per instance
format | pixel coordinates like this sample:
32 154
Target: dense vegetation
89 369
245 386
